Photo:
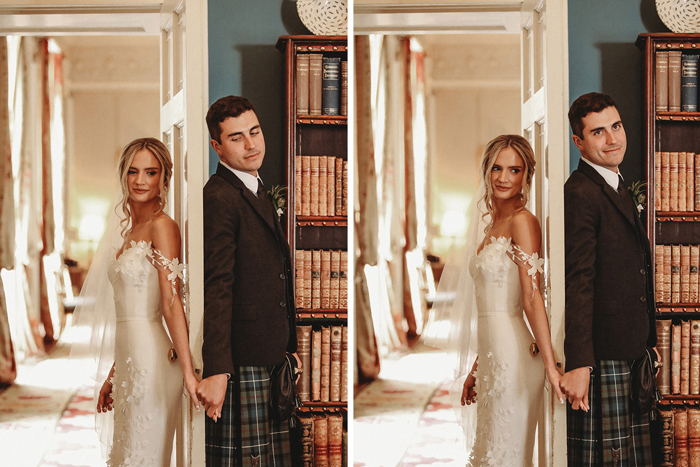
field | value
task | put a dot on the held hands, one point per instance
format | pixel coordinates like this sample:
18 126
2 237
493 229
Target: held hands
554 378
191 384
211 392
574 384
468 392
104 399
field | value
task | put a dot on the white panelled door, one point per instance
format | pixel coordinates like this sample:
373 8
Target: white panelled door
183 106
544 124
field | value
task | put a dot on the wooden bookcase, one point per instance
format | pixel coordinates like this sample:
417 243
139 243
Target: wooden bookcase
314 135
666 131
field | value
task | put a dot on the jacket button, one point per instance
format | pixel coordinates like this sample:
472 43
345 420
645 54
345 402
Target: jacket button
283 303
642 271
642 299
282 276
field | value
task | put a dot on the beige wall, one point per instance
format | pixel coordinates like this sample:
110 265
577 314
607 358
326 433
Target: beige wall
473 83
112 97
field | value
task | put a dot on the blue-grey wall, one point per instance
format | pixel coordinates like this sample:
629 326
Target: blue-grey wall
243 61
603 58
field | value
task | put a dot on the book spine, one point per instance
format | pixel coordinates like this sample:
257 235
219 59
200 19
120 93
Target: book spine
685 357
667 436
343 283
694 357
665 181
697 181
344 88
330 188
325 279
307 440
302 84
681 182
689 83
331 86
304 352
675 273
336 355
325 363
690 181
335 440
685 273
316 279
299 279
323 186
315 83
659 273
693 437
344 211
321 441
307 278
344 365
694 267
673 181
663 332
314 180
335 279
316 366
661 82
676 359
680 436
338 186
305 185
657 181
674 80
297 185
667 272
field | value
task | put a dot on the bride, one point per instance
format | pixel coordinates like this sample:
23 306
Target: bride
142 381
502 282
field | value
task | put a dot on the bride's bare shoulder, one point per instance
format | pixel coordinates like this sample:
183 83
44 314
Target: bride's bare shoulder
525 230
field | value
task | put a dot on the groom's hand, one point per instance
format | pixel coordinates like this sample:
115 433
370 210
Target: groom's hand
574 385
211 392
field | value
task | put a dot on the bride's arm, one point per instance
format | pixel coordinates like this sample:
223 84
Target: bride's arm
166 242
526 236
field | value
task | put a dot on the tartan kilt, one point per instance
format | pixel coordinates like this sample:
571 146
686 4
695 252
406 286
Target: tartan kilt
264 442
610 433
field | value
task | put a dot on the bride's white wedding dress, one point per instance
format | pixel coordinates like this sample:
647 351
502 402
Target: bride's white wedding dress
147 386
509 381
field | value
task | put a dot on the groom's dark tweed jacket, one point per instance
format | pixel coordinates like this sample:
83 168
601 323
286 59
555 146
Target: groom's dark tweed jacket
249 316
609 277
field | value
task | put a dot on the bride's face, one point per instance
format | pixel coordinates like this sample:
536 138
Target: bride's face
507 174
143 177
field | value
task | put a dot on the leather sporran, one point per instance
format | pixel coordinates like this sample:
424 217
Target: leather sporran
283 393
643 391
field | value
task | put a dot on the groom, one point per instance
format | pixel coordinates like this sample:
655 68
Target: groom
249 315
610 303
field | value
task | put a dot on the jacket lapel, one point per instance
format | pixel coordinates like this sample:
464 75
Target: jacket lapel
619 203
256 203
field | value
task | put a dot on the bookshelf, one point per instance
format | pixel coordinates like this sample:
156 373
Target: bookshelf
672 142
317 229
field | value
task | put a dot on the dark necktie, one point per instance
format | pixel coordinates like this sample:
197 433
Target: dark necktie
625 195
265 200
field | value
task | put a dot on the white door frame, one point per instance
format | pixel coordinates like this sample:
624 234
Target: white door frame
424 17
142 17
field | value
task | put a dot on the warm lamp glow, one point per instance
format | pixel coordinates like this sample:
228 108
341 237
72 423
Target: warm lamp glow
454 224
91 228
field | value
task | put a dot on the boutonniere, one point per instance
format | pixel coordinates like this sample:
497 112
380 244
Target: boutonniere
278 199
637 190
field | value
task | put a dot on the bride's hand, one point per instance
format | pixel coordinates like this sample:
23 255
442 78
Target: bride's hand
104 399
191 384
468 392
554 377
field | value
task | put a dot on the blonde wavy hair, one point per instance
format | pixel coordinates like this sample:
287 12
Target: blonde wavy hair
491 152
162 155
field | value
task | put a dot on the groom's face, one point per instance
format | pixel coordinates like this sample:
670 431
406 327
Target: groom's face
603 140
242 145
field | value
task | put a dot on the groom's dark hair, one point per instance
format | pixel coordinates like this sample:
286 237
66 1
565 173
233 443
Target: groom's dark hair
229 106
593 102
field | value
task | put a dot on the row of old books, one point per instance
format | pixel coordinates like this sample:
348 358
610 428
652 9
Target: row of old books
676 273
678 344
680 437
321 186
321 279
323 441
324 353
321 85
677 181
676 81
